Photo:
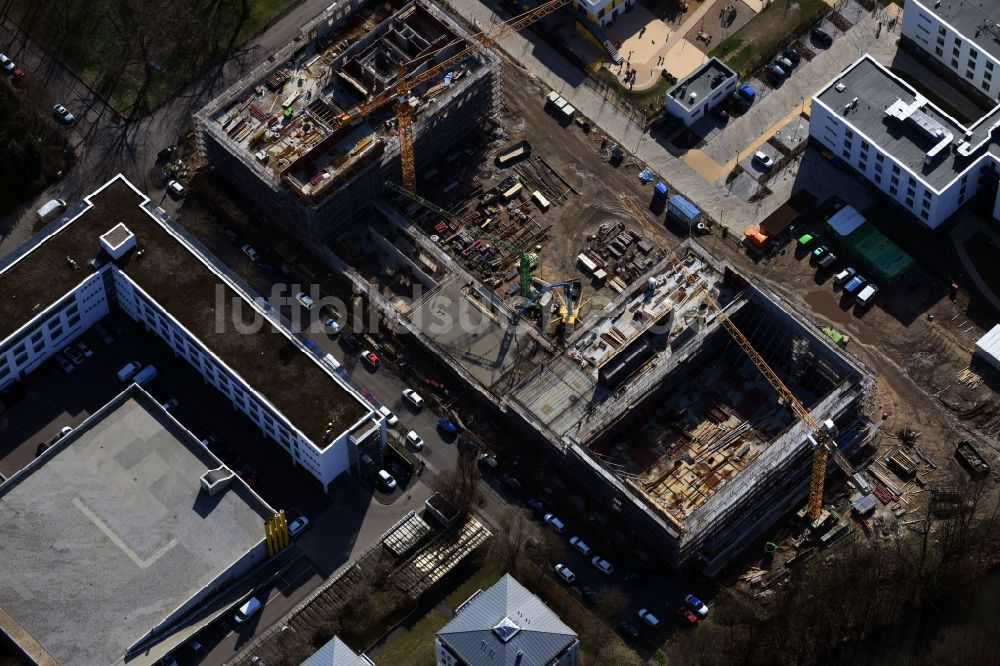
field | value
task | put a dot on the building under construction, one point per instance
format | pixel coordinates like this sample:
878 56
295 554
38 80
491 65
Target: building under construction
285 134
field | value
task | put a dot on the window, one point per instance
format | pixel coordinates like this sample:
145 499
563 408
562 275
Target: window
987 76
924 214
913 181
910 191
985 85
927 205
972 54
909 202
878 176
849 134
989 66
940 29
968 74
954 63
958 42
880 158
895 180
924 17
955 52
892 190
940 41
878 168
895 169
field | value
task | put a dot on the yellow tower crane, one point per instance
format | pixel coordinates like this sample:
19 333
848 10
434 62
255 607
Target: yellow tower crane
404 85
823 435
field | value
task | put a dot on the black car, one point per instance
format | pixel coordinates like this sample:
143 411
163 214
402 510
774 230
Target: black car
792 55
776 73
628 630
536 506
166 153
590 595
822 37
350 342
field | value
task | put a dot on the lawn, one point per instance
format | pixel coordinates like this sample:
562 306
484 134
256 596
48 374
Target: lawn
648 101
31 150
416 645
753 44
139 53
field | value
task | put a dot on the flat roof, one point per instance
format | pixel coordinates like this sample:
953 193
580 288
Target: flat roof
190 291
976 20
878 92
109 532
701 83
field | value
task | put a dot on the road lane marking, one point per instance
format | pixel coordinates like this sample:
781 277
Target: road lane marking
115 539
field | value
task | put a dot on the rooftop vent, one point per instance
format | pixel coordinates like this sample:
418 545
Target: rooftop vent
506 629
215 481
840 87
118 241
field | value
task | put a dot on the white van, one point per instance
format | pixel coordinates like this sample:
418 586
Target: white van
130 369
50 209
147 374
867 295
246 610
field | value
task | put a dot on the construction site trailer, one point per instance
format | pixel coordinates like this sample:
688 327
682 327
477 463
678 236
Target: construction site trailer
512 192
540 199
587 264
988 347
568 111
513 153
555 100
683 211
600 275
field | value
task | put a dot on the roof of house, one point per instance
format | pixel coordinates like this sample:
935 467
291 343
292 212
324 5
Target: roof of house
701 83
109 531
901 122
336 653
977 20
193 292
506 625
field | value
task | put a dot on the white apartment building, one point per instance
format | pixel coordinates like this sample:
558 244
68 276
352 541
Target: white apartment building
914 152
603 12
962 35
699 92
120 253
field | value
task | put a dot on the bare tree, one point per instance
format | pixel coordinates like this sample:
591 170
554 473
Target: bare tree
460 485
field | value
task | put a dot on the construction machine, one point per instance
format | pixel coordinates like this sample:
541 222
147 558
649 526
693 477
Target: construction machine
822 435
407 82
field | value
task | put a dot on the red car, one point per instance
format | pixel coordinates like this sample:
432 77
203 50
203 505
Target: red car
370 358
687 615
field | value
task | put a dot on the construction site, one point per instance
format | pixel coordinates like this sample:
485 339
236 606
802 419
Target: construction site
319 116
553 294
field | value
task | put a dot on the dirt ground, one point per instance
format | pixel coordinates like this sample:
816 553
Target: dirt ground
918 341
719 25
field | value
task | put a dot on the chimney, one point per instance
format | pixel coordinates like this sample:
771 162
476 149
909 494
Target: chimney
117 241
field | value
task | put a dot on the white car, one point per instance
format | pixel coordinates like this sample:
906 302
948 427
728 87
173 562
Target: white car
250 608
391 419
649 618
171 404
415 440
250 252
7 64
603 565
63 114
331 325
413 397
176 189
297 526
579 544
763 159
554 522
386 478
565 573
304 299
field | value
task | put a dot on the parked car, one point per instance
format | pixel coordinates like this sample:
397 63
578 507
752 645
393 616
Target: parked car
844 275
387 480
7 64
867 295
821 37
331 326
764 160
565 573
793 56
819 251
603 565
447 427
413 398
488 461
648 617
854 285
391 419
536 506
590 595
82 347
776 73
785 64
250 252
695 604
371 359
414 440
176 189
554 522
685 614
827 261
628 630
63 114
247 610
73 355
304 300
171 404
166 153
579 544
350 342
510 482
297 525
